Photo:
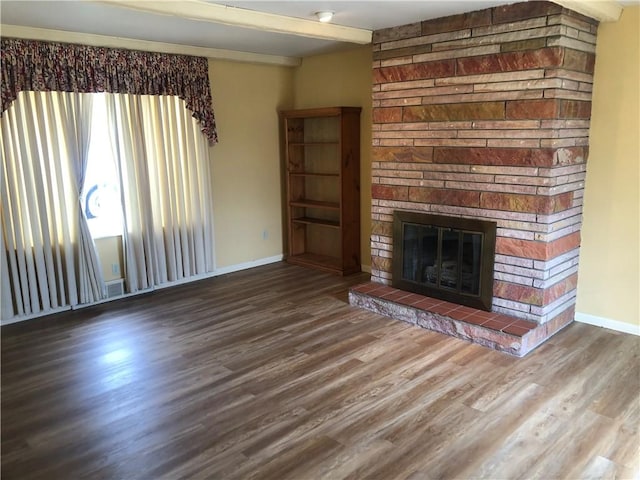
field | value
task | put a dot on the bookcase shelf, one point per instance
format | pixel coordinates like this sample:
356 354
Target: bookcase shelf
315 204
322 154
316 221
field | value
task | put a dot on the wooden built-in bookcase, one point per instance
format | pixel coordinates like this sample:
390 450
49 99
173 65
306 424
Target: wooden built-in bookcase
322 154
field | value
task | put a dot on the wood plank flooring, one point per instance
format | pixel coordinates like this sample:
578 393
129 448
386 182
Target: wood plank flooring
269 374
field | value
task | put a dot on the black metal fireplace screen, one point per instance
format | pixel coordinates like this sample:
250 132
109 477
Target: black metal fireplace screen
450 258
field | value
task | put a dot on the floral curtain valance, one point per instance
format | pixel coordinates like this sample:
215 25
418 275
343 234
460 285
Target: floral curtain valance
44 66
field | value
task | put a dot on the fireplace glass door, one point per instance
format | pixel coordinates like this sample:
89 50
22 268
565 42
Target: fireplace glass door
444 257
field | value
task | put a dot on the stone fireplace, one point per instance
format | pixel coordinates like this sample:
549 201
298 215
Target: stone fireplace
485 115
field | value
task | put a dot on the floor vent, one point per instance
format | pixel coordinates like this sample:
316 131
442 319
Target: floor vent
115 288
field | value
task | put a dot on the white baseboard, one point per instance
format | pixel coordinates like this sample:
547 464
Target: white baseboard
224 270
244 266
22 318
608 323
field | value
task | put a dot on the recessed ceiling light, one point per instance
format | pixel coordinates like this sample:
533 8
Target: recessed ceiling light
325 16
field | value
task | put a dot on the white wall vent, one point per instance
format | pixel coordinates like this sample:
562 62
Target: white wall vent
115 288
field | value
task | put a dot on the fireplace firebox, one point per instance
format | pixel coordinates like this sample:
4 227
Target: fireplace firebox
449 258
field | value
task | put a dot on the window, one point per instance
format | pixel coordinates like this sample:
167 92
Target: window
101 198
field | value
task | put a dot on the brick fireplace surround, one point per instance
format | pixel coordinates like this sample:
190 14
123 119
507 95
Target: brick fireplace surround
486 115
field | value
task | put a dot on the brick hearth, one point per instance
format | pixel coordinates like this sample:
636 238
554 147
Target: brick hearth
486 115
495 330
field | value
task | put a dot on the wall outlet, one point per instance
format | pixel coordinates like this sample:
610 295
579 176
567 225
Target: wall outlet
115 269
265 234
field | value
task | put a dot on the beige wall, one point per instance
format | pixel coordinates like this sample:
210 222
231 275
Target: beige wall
343 79
609 281
110 254
246 166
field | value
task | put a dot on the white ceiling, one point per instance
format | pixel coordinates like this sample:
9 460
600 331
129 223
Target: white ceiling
108 18
117 21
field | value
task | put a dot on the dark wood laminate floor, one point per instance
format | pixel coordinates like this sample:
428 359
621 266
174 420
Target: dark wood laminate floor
270 374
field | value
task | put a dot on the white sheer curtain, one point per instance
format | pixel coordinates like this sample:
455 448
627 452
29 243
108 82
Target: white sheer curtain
77 117
125 123
163 163
49 260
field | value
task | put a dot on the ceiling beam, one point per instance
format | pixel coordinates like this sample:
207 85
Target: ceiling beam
45 34
241 17
601 10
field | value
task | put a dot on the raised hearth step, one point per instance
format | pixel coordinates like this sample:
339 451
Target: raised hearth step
494 330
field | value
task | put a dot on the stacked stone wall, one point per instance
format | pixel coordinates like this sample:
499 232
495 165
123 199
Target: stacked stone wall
486 115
